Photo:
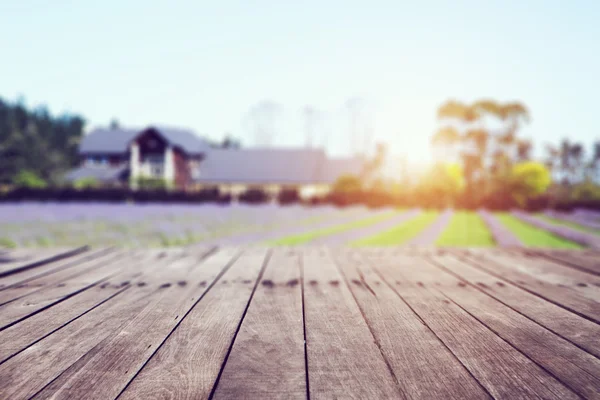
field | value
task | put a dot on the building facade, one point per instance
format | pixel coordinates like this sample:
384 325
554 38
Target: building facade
182 160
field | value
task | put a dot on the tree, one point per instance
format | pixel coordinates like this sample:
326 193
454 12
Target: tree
38 142
486 155
347 184
529 179
28 179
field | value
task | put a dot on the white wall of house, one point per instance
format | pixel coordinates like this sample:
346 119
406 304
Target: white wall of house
134 166
169 165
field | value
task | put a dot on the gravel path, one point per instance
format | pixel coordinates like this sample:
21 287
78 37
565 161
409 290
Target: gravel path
344 216
583 238
502 235
430 234
575 218
351 235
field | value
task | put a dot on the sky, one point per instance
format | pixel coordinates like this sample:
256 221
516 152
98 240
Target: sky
205 65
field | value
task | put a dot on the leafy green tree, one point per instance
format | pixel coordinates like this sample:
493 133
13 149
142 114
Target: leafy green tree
28 179
529 179
36 141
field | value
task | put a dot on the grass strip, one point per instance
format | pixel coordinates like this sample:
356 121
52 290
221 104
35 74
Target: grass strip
534 237
401 233
312 235
570 224
466 229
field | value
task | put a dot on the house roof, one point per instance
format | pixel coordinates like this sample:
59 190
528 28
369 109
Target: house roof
272 165
262 166
99 173
103 140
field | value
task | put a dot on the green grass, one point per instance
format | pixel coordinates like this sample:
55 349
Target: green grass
8 243
466 229
532 236
401 233
309 236
570 224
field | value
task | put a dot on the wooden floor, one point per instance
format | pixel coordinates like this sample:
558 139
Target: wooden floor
311 322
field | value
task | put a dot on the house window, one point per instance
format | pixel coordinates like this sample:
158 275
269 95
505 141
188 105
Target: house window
156 170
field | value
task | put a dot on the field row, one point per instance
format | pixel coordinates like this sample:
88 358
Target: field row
128 225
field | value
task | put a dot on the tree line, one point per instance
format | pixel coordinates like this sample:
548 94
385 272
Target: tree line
35 146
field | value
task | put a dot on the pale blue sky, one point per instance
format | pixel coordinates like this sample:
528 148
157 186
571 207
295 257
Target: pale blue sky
203 65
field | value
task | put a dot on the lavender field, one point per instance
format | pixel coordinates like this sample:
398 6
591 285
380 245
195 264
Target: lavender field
135 225
153 225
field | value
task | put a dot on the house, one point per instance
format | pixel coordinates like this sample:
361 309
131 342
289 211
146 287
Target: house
185 161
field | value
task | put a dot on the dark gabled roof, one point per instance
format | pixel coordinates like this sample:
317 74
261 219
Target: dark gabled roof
99 173
102 140
292 166
272 165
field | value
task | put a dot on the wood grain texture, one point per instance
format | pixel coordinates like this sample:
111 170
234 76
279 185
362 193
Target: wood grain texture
585 261
343 358
22 334
187 365
16 292
425 368
31 370
574 367
54 292
566 297
554 273
46 269
267 358
35 258
504 371
107 372
570 326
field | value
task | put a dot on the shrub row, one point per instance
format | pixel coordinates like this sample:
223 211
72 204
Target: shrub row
373 199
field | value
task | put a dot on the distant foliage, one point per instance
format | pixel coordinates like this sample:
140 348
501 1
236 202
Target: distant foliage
288 196
151 183
35 141
28 179
85 183
528 180
254 196
347 183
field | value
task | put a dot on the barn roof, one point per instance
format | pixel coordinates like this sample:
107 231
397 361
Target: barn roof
274 165
106 140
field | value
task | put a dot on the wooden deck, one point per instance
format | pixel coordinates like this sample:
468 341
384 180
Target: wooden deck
310 322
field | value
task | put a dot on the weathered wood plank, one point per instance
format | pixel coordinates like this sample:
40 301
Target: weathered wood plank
106 373
425 368
16 292
267 358
21 335
576 259
500 368
46 269
574 367
562 295
39 298
36 259
188 363
343 359
554 273
28 372
31 370
570 326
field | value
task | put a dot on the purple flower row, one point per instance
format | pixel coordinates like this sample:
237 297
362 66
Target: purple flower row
501 234
583 238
